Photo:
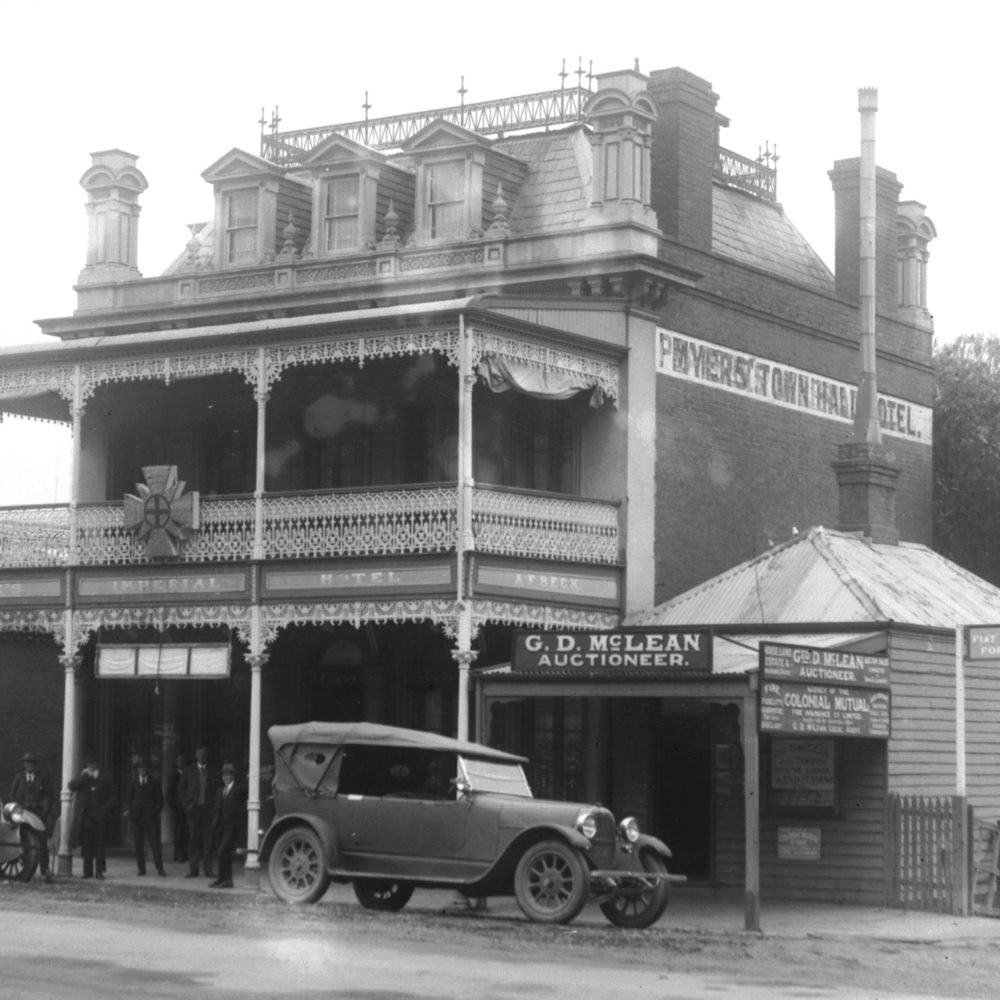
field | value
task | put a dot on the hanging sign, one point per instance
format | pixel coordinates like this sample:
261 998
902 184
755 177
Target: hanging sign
810 691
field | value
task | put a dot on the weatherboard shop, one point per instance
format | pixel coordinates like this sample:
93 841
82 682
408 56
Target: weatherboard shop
796 786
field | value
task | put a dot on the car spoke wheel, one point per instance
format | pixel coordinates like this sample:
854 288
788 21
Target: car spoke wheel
382 894
641 905
296 867
551 882
22 867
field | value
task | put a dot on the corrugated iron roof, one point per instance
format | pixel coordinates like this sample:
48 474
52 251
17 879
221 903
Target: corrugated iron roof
834 576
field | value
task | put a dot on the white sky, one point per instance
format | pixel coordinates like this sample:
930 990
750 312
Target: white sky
180 84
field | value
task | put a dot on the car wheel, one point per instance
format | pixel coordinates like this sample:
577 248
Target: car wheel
382 894
296 867
640 906
22 867
551 882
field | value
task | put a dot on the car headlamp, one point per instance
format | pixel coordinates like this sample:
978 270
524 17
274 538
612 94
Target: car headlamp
628 829
586 823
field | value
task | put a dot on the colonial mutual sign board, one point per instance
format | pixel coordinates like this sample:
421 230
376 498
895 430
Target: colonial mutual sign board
828 692
609 653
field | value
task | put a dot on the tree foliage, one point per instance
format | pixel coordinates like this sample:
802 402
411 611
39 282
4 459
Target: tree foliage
967 454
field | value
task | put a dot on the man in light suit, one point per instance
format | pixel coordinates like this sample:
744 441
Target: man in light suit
228 821
144 802
198 786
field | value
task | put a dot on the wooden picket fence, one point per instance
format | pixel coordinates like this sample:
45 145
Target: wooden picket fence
928 853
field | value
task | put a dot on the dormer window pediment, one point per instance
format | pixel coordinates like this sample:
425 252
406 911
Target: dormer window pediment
255 204
352 186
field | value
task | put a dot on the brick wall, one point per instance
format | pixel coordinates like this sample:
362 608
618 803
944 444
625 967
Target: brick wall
735 473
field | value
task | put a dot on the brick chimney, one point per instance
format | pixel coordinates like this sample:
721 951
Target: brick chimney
684 154
846 180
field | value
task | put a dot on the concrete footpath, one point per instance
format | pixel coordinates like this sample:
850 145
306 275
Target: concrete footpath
692 908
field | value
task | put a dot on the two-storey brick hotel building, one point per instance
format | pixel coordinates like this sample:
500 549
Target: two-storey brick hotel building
421 382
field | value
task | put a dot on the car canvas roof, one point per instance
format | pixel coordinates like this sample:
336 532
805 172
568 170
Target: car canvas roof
373 734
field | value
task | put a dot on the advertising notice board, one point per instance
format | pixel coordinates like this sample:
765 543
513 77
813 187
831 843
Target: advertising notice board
806 690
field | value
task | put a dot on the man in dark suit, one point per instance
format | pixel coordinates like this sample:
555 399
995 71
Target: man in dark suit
95 796
228 821
198 785
31 790
144 802
173 801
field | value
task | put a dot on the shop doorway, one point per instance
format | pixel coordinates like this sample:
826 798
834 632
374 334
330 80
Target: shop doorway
682 795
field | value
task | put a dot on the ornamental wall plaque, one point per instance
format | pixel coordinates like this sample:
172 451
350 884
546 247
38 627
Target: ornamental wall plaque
162 515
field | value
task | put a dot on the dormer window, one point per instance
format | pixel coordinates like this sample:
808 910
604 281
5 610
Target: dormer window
241 226
446 199
341 209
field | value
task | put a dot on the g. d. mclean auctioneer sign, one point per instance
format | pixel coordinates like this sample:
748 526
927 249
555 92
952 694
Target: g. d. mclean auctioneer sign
609 653
826 692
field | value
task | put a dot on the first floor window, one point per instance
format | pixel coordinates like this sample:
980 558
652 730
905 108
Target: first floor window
445 199
340 213
241 227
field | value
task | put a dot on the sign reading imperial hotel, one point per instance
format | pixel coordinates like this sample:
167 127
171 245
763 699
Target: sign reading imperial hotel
612 652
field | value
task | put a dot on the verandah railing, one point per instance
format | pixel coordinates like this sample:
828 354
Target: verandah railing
391 521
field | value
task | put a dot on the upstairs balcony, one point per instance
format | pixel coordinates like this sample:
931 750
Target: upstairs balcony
393 521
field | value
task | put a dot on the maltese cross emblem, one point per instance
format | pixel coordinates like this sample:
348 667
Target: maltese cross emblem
162 514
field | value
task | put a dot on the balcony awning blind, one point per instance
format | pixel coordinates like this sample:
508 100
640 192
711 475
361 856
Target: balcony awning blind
502 374
194 661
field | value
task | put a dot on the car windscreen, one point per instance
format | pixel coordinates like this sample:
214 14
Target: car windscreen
494 776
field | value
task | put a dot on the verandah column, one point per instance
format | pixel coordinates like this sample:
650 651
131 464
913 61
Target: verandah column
465 542
256 662
70 765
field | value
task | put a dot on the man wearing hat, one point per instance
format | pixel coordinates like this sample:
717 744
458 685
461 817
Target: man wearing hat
30 790
228 822
144 803
95 796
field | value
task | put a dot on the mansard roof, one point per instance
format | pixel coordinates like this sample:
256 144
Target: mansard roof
759 233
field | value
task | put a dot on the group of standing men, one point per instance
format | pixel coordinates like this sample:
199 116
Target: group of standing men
211 817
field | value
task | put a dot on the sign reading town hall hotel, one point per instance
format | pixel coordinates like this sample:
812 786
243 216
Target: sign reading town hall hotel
718 367
609 653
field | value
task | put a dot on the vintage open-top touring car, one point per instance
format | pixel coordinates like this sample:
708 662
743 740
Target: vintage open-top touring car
390 809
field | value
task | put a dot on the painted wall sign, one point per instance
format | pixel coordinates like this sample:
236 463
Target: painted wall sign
810 665
610 653
180 586
982 642
701 361
597 587
357 580
791 703
32 589
800 843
